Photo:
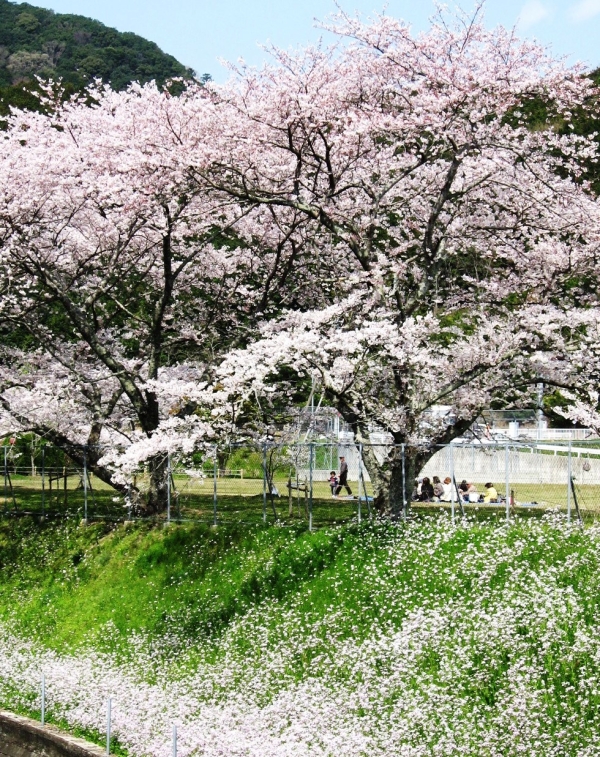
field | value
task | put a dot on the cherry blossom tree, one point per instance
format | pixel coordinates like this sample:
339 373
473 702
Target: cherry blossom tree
380 217
451 224
122 278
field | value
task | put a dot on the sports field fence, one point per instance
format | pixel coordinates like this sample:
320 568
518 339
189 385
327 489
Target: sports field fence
290 483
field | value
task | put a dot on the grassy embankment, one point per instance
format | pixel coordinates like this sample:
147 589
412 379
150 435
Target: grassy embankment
62 583
514 615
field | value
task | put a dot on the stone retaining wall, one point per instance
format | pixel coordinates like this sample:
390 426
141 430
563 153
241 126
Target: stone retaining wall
23 737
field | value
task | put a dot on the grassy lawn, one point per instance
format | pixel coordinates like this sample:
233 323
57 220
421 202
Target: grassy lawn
192 499
241 500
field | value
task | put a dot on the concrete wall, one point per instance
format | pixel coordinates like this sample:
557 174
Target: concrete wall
482 463
490 464
22 737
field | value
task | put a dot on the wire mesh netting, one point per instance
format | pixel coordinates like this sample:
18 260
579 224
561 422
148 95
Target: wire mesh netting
301 483
269 484
65 490
527 477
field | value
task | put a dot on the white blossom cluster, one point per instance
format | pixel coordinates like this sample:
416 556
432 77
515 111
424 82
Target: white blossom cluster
382 217
481 641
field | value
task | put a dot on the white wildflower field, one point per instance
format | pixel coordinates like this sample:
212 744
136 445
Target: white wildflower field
421 639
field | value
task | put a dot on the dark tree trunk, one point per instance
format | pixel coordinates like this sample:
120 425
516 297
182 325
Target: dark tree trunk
151 499
393 473
394 467
400 490
154 499
268 466
104 474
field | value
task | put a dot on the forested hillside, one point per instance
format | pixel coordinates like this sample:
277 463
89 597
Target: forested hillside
38 42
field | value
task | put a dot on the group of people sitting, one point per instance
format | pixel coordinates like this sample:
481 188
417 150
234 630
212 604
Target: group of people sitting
432 491
435 490
469 493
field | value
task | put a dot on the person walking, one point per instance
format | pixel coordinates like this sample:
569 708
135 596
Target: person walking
343 479
333 482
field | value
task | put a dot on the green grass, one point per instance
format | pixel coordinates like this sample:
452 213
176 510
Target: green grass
63 583
255 610
238 500
241 500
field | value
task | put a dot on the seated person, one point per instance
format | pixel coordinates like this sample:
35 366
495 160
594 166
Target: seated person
472 495
416 493
438 487
447 494
426 491
491 495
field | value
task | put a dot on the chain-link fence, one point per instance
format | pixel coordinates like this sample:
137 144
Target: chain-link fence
65 489
301 483
525 478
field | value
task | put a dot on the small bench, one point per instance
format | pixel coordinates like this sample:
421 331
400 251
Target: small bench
297 486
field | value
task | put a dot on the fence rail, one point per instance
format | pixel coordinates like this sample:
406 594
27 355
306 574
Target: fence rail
291 483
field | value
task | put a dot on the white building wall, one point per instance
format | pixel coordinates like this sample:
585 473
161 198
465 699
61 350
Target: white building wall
485 463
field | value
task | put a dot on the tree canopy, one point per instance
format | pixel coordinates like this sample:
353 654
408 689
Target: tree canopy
378 218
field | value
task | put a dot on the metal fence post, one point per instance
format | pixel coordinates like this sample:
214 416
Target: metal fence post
215 487
174 740
85 487
507 478
452 476
360 449
310 488
404 500
168 487
43 708
43 482
264 482
569 480
108 708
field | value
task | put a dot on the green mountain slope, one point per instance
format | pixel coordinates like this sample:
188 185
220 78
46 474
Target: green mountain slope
38 42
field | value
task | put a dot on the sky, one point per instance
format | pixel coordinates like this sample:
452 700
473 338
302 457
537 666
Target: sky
201 32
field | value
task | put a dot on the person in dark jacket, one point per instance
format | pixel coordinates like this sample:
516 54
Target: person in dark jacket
426 491
333 482
343 479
